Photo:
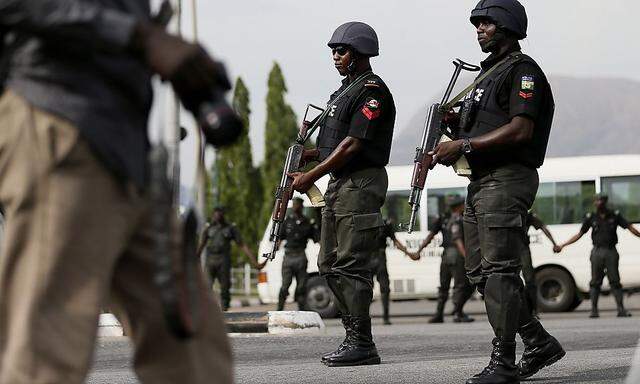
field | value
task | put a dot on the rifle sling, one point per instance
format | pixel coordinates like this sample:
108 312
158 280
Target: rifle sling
512 58
323 115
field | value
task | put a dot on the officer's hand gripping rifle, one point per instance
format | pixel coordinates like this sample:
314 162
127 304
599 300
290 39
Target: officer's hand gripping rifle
435 130
293 163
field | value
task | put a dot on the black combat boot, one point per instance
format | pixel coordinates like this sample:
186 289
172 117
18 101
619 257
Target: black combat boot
540 349
385 308
594 293
348 330
502 368
359 349
439 316
282 297
618 294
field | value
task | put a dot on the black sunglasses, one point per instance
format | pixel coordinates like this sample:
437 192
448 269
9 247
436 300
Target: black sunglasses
341 51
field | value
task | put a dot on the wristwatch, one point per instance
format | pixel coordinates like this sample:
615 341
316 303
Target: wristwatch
466 146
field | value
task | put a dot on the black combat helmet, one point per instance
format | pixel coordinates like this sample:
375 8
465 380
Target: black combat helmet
360 36
506 14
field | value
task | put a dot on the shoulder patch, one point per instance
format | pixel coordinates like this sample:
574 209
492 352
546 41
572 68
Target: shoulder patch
371 109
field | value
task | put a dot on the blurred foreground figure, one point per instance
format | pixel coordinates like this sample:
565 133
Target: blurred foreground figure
73 160
353 147
604 255
504 129
452 263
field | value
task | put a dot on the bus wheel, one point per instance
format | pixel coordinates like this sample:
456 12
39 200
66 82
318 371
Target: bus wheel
556 290
319 298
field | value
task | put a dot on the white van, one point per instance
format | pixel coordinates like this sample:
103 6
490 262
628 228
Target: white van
567 186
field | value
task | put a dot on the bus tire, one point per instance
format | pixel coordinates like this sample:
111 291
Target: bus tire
319 298
556 290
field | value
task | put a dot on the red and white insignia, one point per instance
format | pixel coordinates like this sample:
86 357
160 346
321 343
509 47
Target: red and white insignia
371 109
526 95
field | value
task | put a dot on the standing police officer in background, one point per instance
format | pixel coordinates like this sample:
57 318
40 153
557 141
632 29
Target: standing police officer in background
604 255
216 240
380 266
353 147
509 121
297 230
528 273
452 264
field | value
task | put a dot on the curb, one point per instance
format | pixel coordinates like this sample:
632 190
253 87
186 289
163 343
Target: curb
274 322
108 326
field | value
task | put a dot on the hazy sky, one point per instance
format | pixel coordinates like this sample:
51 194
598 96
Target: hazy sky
418 40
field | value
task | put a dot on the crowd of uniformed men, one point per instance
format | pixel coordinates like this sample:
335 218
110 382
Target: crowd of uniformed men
73 163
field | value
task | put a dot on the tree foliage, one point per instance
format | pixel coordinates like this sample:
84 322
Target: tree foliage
280 132
235 177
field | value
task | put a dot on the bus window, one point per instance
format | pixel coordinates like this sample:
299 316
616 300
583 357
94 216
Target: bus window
437 204
565 202
397 209
624 194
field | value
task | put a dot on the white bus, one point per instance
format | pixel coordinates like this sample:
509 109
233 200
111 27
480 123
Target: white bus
567 186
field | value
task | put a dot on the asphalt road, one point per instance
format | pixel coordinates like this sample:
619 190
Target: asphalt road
598 351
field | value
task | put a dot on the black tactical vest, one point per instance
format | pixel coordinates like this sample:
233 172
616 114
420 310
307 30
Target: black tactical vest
604 230
220 237
335 128
298 230
490 116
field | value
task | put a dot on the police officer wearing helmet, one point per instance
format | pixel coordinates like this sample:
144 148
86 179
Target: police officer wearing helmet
216 240
452 263
353 147
297 231
504 140
604 255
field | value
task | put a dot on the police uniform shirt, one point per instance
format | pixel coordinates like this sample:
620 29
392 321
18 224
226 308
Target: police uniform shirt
523 89
442 225
532 221
455 229
603 230
297 230
517 88
220 236
367 113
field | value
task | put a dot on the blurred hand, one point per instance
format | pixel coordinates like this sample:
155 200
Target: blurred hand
188 67
262 265
446 153
414 255
557 249
302 182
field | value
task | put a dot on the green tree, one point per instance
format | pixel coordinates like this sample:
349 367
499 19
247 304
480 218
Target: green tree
236 178
280 131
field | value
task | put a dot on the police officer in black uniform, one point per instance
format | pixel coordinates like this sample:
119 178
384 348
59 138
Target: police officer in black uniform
216 239
604 255
508 122
528 273
452 264
297 230
353 147
380 266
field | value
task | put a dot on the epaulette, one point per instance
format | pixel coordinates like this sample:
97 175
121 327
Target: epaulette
371 84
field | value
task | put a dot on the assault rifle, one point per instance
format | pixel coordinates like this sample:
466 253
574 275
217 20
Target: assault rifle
294 163
436 130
